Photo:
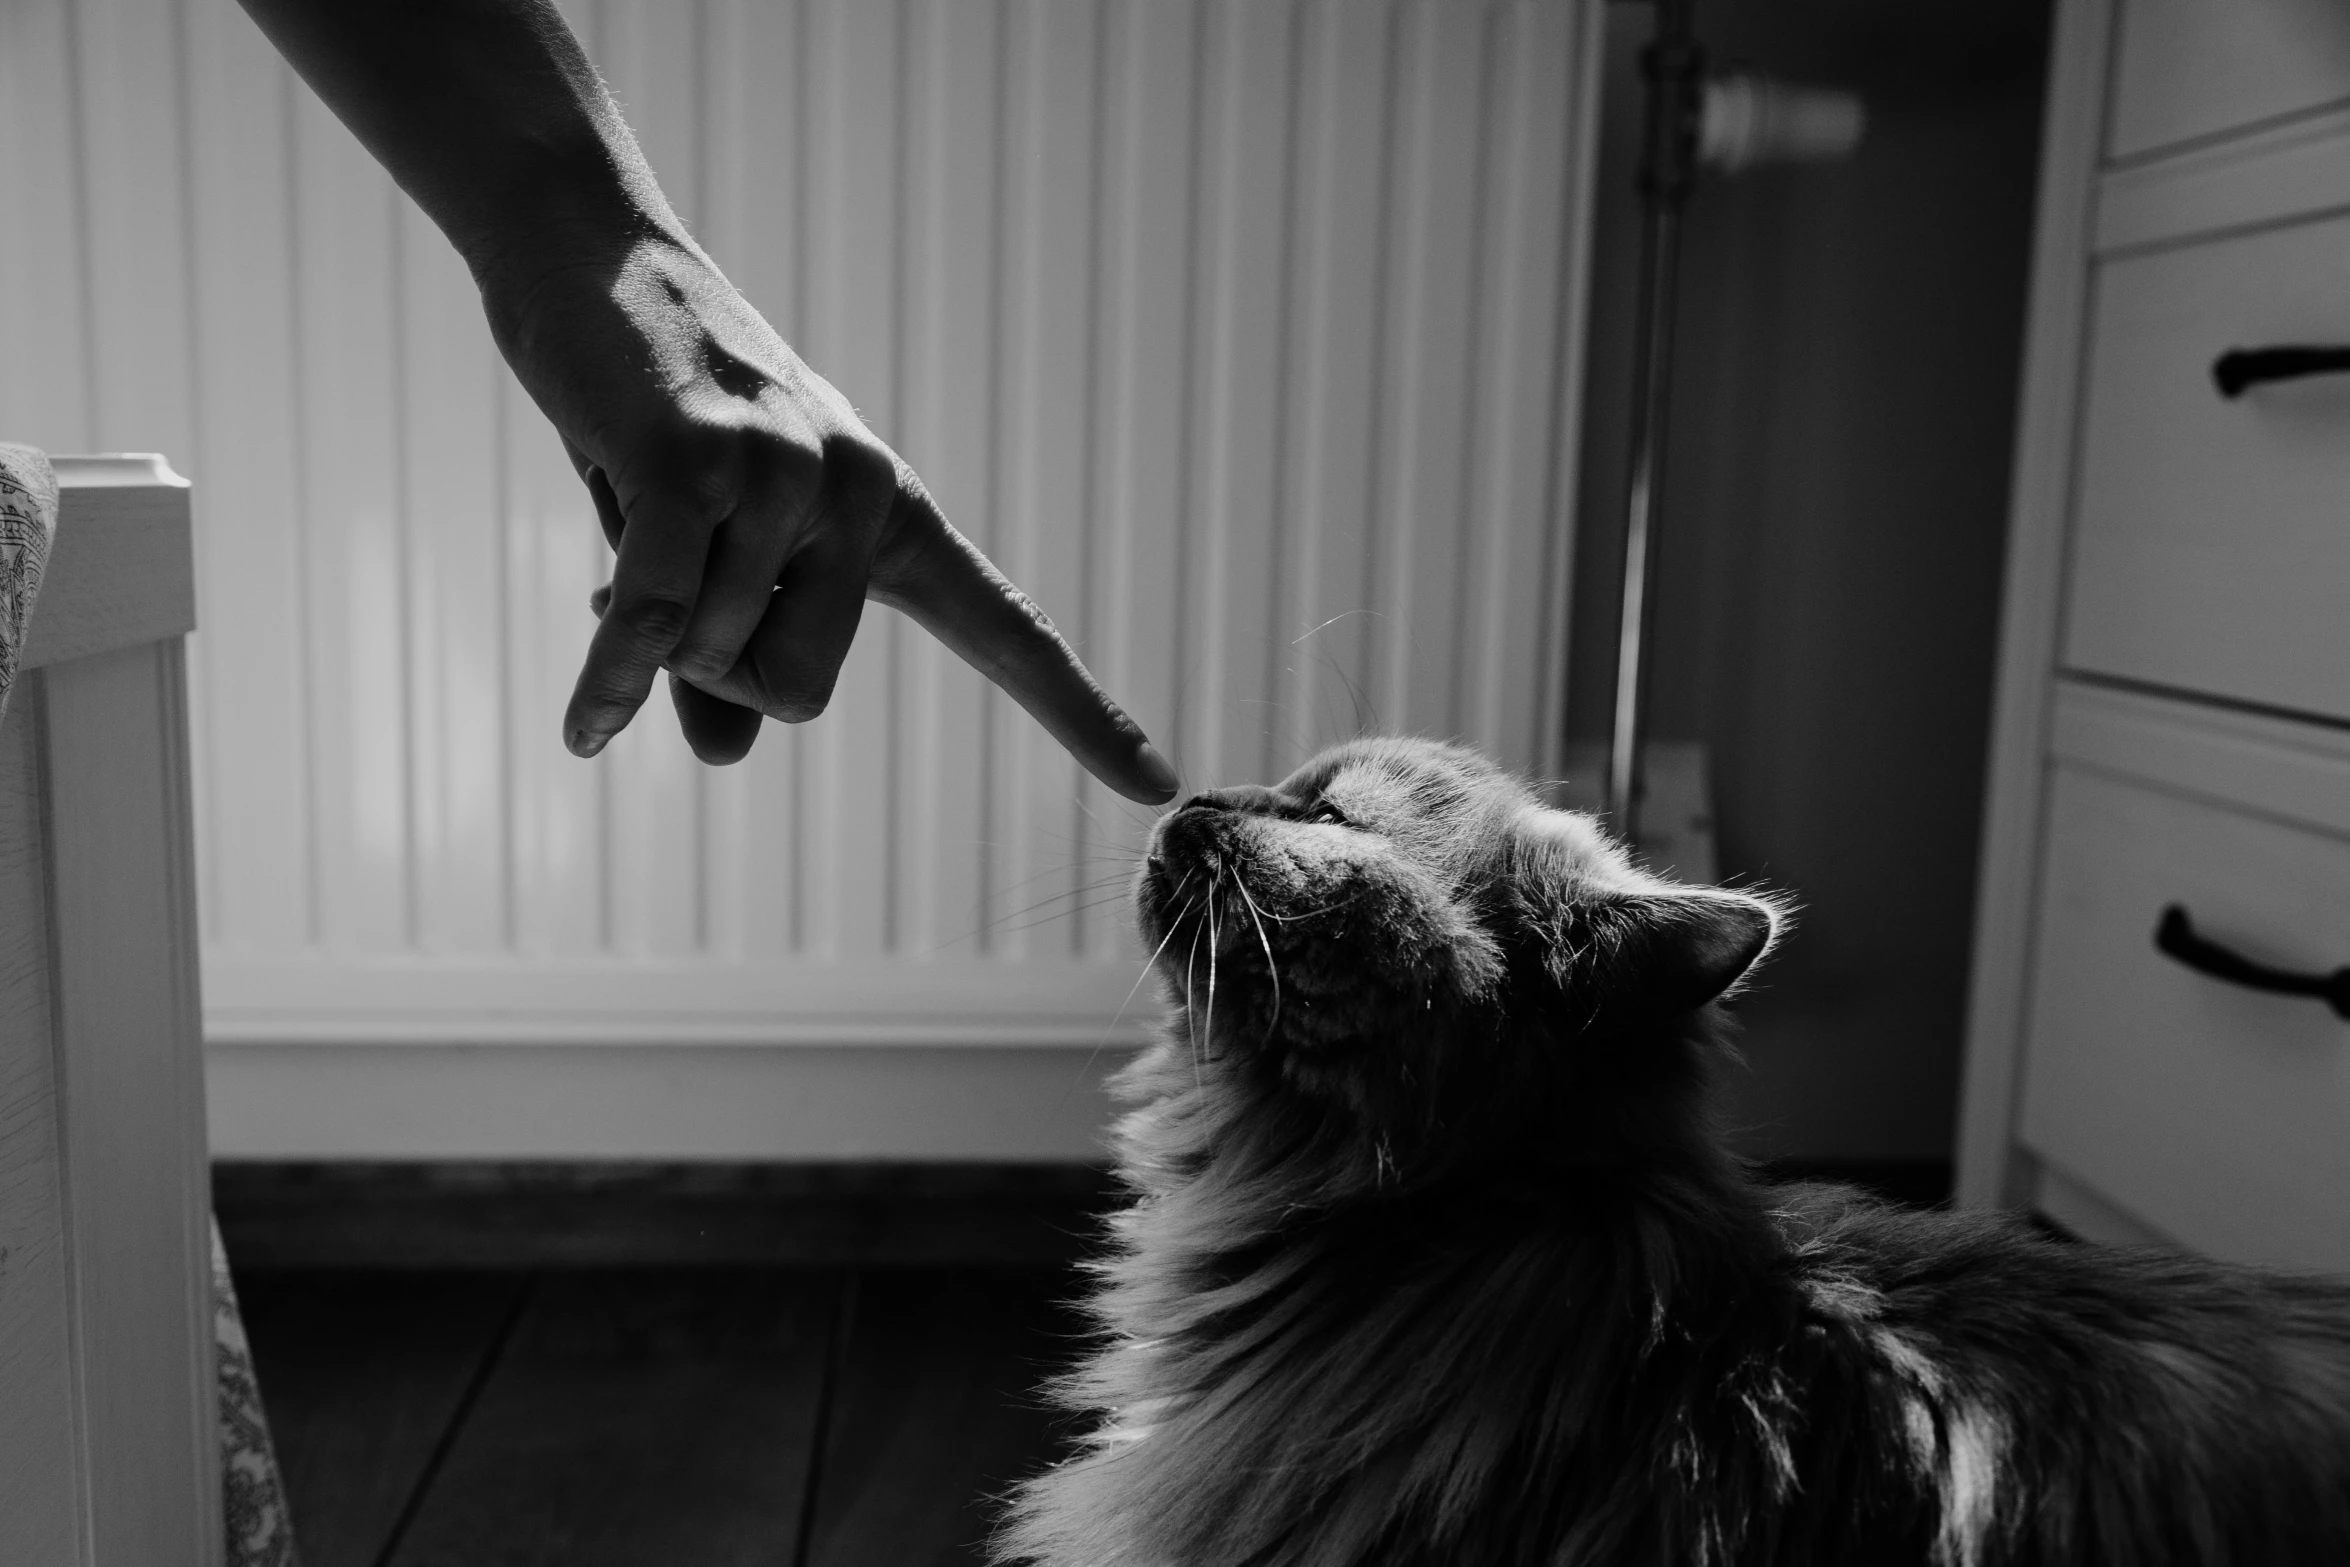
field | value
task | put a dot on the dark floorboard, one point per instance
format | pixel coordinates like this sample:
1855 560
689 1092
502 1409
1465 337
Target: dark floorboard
626 1417
637 1417
353 1215
362 1374
937 1412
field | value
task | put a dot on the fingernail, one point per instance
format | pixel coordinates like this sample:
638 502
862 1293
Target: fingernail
585 743
1154 768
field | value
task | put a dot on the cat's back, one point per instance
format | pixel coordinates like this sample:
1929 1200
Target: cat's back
2083 1402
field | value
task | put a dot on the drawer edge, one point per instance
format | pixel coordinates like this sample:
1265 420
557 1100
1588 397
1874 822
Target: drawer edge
2246 761
2291 171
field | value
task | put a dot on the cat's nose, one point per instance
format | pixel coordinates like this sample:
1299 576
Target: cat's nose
1241 797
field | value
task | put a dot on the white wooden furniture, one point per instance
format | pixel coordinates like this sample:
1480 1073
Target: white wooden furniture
109 1446
2173 720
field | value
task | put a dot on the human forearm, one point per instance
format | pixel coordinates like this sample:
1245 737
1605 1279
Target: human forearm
486 112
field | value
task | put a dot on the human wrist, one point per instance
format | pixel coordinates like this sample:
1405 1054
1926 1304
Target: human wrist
551 209
576 227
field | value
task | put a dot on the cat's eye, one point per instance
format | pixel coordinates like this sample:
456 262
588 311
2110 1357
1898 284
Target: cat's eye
1324 811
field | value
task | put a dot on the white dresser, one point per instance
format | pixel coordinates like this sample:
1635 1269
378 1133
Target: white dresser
2173 719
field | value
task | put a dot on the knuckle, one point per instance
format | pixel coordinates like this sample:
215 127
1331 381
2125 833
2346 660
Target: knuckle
701 661
1038 621
658 618
701 463
794 467
796 693
862 470
861 478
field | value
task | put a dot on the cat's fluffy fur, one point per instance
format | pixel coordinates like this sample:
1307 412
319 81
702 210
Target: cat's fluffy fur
1433 1258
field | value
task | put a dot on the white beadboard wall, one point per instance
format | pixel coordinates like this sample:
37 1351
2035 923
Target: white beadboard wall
1244 335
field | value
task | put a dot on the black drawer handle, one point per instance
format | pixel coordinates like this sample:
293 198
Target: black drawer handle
2239 368
2175 937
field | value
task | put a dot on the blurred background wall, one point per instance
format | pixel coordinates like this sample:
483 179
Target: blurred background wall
1834 505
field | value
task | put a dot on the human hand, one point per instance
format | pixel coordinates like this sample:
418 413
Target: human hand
753 513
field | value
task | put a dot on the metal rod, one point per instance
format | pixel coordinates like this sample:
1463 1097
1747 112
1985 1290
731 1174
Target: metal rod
1674 67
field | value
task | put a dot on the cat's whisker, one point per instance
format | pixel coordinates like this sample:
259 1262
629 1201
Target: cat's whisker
1307 914
1191 1030
1215 939
1149 965
1344 614
1119 877
1126 814
1104 901
1354 694
1084 889
1086 863
1271 967
1103 853
1085 848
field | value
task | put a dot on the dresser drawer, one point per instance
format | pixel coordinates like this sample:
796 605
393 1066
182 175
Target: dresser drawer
2193 68
2211 537
2218 1115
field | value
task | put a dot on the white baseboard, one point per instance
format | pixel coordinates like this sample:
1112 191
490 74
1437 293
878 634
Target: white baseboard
672 1102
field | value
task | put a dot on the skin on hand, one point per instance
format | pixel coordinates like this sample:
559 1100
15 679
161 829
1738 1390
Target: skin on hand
751 510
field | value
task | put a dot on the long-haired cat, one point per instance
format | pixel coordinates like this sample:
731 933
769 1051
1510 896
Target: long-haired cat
1433 1257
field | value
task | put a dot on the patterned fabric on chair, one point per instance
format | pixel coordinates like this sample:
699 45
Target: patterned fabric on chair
260 1530
28 519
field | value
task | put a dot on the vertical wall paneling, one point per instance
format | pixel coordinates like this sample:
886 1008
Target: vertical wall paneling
130 154
447 423
43 282
246 389
345 216
1236 332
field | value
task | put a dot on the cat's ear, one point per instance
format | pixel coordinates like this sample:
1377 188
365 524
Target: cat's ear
1620 941
1673 950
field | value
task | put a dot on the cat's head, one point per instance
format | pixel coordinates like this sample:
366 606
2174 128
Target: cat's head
1399 937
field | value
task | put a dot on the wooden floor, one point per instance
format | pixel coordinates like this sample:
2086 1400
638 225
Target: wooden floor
656 1366
549 1366
581 1417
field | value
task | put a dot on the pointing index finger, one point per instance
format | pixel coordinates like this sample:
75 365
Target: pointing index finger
939 579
